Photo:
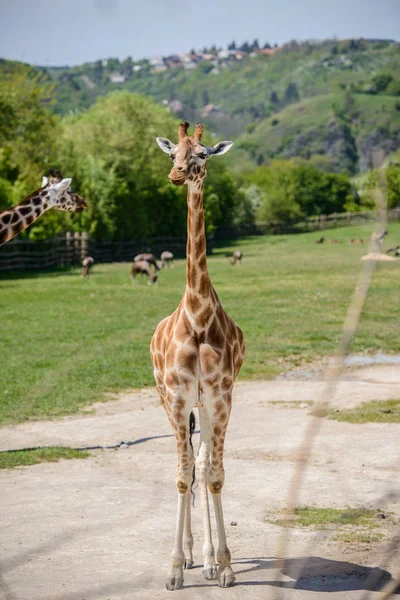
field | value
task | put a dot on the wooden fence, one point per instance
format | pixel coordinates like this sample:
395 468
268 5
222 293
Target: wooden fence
316 223
71 248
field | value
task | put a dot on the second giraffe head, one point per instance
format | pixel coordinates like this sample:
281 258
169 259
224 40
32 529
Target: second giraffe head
189 155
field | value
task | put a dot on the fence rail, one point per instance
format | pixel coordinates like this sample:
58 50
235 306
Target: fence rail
69 249
315 223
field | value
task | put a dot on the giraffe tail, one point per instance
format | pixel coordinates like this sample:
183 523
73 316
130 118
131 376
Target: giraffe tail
192 427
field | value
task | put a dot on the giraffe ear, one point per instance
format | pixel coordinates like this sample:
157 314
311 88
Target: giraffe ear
219 148
45 181
165 144
63 185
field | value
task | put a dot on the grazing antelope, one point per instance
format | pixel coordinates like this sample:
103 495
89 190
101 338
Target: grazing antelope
237 257
87 264
142 267
357 242
167 258
149 258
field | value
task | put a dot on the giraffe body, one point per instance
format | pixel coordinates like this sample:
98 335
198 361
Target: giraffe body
197 353
54 193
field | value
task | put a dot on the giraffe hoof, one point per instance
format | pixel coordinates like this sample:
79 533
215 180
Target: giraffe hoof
188 563
174 583
226 578
210 573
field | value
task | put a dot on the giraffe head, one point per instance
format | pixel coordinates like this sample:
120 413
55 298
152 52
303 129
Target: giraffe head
189 155
59 193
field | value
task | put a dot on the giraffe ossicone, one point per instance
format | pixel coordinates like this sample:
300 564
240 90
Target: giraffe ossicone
55 192
197 352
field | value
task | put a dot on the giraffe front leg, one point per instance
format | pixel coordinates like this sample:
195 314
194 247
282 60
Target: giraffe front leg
183 481
226 576
175 575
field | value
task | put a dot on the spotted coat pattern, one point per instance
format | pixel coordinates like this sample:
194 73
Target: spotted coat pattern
17 218
197 352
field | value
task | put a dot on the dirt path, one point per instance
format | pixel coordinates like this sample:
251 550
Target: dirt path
102 528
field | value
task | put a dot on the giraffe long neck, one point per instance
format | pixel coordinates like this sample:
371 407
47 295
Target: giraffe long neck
16 219
197 278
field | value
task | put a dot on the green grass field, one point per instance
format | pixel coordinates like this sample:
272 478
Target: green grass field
65 342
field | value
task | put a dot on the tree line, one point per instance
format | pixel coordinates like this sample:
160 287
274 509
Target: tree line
110 152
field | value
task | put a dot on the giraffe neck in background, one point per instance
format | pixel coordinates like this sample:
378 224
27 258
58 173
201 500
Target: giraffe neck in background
16 219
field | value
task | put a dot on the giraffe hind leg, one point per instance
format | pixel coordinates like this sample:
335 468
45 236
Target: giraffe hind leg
218 409
210 570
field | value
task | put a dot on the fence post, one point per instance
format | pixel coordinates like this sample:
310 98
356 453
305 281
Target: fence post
84 245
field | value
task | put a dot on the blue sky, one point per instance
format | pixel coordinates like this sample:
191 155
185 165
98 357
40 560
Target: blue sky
51 32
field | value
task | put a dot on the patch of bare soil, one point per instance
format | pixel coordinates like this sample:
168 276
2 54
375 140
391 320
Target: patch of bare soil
102 528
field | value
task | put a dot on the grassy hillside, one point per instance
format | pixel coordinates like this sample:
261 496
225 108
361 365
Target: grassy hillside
71 340
309 127
277 105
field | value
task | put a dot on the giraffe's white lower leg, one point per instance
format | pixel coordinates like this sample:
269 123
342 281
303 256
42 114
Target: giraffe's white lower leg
175 575
202 471
226 577
183 481
187 535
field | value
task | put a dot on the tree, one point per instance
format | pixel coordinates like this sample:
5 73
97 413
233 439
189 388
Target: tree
28 129
274 97
381 81
291 93
255 45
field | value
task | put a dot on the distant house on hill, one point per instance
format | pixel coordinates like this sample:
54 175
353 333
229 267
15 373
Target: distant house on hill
208 109
268 51
117 77
176 106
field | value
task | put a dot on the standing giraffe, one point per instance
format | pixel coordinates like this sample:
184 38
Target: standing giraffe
54 193
197 353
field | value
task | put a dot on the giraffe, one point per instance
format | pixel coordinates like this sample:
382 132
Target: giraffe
55 192
197 353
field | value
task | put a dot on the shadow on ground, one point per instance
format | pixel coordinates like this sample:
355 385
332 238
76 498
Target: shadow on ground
317 574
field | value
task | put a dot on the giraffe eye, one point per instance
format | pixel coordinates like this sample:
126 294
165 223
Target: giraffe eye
202 155
172 157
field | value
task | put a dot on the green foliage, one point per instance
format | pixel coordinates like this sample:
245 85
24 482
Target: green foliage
111 152
23 458
381 81
382 411
390 178
291 191
28 128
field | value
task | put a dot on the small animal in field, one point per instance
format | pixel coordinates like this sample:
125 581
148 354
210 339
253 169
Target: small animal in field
237 257
395 250
142 267
321 240
167 258
357 242
87 265
149 258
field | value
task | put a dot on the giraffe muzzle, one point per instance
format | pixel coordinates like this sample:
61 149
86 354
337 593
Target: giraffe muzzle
177 177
